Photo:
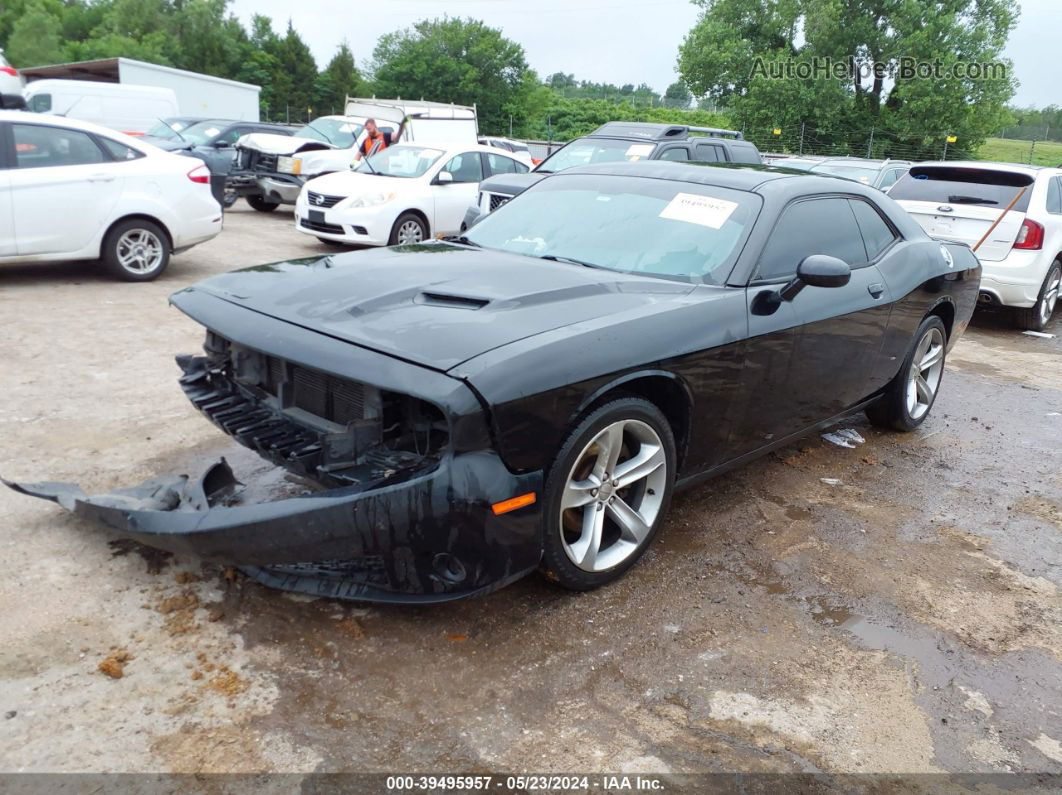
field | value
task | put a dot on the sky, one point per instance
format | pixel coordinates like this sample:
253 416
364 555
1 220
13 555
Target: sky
623 41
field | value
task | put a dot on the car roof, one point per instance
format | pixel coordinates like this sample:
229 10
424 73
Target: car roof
751 178
49 119
988 165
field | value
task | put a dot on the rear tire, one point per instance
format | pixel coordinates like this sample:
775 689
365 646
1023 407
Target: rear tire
912 393
136 250
607 493
259 203
1036 317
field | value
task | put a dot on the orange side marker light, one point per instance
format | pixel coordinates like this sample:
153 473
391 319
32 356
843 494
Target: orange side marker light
513 503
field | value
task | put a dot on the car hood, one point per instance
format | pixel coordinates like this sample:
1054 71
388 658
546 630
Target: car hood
280 144
350 183
511 184
435 304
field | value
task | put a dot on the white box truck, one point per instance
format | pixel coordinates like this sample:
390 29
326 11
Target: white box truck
196 94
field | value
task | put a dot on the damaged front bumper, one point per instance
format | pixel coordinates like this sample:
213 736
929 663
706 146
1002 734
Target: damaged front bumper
395 526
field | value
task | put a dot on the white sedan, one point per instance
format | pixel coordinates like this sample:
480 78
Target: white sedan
71 190
404 194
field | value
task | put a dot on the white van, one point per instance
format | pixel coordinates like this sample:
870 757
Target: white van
126 108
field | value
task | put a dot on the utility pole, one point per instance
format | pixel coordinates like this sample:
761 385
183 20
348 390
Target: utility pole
870 144
800 151
1032 150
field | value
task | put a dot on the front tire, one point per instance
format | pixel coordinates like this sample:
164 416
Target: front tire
409 228
136 250
607 493
1037 316
259 203
912 393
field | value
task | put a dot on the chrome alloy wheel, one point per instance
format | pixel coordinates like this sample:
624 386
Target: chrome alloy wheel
613 495
410 232
927 366
140 251
1050 296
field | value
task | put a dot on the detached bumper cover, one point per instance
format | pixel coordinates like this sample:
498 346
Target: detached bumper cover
430 538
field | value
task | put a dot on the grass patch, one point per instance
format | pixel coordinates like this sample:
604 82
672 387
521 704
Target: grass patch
1047 153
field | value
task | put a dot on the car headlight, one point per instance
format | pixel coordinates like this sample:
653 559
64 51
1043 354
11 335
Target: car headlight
371 199
289 165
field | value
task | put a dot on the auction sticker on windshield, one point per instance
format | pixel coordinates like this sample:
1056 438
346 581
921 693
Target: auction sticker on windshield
703 210
638 151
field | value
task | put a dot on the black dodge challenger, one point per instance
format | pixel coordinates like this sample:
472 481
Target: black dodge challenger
530 395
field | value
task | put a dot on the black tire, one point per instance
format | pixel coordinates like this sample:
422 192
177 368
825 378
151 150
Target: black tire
403 220
259 203
120 244
556 563
892 410
336 243
1036 317
229 198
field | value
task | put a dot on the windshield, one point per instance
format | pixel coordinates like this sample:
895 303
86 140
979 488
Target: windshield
338 132
584 151
676 230
165 129
864 174
202 132
400 161
948 185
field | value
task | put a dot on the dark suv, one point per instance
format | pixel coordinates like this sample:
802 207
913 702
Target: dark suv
615 141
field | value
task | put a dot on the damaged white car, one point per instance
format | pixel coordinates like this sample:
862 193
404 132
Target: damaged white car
272 169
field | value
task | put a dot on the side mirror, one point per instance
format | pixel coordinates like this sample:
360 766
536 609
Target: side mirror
818 270
222 144
443 178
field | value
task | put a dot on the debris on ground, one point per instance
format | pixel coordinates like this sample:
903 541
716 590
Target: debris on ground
186 577
156 559
179 611
1041 334
227 682
845 437
831 481
113 665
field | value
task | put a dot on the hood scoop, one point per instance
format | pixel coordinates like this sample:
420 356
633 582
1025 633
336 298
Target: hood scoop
451 301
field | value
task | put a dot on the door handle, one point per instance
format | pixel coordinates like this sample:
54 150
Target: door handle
101 178
876 289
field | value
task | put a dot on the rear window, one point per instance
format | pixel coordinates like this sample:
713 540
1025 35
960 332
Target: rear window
978 186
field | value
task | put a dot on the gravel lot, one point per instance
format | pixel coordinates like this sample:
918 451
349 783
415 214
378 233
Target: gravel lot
907 618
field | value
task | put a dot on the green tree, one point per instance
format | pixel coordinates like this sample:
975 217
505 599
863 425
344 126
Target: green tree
337 81
735 51
454 60
35 38
296 75
677 95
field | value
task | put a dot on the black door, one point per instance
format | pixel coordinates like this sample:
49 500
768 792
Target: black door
812 358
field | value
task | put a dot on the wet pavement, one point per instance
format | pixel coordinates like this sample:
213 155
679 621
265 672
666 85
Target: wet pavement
893 607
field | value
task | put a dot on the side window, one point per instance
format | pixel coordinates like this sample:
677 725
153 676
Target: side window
37 146
521 168
119 151
1054 196
812 226
877 234
675 153
465 167
890 178
709 153
499 164
40 103
230 136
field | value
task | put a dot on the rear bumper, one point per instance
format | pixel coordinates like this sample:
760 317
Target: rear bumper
1015 280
